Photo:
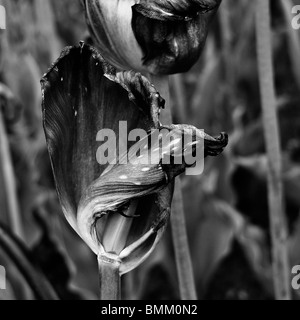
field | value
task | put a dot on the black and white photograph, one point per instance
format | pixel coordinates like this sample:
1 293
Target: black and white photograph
149 153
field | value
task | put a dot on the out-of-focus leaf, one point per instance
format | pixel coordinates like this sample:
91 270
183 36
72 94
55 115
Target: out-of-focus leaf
254 170
293 241
251 139
21 147
235 279
204 101
10 106
7 171
8 293
291 179
70 22
178 98
17 69
48 39
47 250
254 243
293 38
218 226
24 260
153 288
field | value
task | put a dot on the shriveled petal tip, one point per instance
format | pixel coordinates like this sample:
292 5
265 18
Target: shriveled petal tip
174 10
143 94
83 94
214 146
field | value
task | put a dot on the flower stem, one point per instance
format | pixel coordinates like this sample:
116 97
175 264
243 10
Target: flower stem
110 279
178 225
281 270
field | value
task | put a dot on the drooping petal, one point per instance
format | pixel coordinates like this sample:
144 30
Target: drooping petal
172 34
82 94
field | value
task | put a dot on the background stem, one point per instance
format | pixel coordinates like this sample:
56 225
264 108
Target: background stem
278 227
9 185
178 225
109 278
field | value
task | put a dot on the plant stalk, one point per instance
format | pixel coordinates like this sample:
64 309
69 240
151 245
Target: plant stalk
178 226
109 278
281 270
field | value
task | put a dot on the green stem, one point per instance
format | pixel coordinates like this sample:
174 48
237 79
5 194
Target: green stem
109 278
281 270
178 225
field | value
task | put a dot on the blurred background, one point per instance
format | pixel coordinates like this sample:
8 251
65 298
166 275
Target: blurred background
226 208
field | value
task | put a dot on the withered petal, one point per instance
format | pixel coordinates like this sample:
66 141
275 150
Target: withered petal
171 33
141 180
83 94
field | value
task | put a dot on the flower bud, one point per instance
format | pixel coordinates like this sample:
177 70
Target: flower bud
154 36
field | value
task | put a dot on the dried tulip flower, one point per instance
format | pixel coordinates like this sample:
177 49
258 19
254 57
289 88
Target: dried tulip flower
151 36
119 210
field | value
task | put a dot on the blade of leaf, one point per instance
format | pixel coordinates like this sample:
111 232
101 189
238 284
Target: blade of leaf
23 260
